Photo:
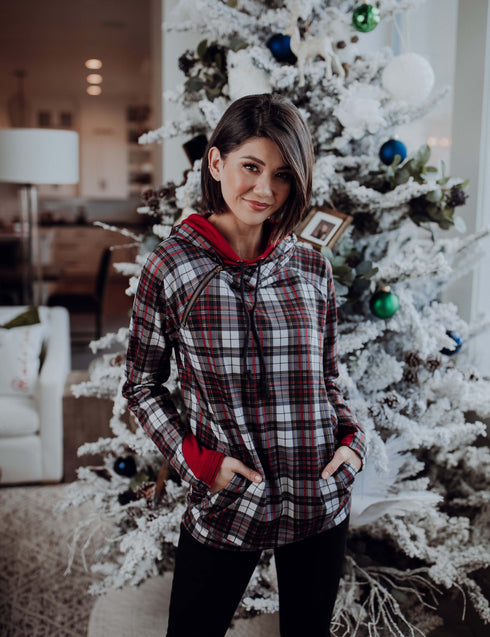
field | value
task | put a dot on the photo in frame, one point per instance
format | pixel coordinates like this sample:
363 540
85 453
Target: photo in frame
323 227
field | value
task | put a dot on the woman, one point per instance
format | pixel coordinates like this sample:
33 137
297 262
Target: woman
267 443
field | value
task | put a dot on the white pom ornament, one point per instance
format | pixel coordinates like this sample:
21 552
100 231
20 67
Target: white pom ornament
409 77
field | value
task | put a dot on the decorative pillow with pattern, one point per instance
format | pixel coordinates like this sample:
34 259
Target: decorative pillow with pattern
21 341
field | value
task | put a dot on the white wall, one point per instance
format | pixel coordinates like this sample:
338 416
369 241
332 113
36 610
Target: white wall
471 157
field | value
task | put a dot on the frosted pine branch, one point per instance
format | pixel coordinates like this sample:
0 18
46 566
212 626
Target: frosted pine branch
125 232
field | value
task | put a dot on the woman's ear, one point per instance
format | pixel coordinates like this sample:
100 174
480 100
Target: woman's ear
215 163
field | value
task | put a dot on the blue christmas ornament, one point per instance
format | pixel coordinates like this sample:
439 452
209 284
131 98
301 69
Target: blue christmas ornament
390 149
280 47
458 341
125 467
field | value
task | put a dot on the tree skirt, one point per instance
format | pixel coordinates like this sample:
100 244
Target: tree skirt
36 597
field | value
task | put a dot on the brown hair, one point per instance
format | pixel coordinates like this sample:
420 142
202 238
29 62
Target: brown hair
273 117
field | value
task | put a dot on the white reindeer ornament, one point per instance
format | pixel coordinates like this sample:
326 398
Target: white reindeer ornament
311 47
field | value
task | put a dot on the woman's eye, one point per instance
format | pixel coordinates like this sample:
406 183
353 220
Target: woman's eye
251 167
284 176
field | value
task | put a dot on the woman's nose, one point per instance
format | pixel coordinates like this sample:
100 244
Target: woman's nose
263 185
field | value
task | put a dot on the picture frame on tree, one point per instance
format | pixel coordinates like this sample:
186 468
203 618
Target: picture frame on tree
323 227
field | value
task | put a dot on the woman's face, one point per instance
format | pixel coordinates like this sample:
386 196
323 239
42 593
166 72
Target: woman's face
255 181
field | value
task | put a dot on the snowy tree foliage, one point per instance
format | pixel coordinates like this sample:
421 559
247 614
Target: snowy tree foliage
420 513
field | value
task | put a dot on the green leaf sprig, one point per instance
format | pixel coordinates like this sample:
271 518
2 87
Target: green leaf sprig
206 68
352 275
438 205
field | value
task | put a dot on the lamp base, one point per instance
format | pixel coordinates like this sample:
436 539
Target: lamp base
32 283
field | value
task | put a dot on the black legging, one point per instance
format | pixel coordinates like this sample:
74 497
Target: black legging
209 583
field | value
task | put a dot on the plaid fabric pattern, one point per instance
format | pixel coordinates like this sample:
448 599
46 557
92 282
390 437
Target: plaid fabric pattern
272 403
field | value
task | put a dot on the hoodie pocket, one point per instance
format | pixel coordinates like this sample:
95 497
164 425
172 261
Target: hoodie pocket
233 490
336 489
201 497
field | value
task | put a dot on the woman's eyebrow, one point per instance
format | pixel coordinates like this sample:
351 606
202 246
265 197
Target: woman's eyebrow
262 163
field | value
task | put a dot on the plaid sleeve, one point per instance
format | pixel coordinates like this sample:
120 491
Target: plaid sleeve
350 432
148 368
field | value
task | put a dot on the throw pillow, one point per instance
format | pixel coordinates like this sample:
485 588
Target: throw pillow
28 317
20 350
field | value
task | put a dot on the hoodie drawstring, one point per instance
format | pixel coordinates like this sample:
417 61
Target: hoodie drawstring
252 327
247 333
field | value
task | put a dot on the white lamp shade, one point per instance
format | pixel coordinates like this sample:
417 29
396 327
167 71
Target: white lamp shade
38 156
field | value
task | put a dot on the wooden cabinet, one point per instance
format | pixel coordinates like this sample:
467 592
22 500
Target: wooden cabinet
104 151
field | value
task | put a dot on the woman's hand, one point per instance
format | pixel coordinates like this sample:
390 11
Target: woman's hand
343 454
228 468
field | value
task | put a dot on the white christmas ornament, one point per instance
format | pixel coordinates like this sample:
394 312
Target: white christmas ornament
409 77
310 47
243 77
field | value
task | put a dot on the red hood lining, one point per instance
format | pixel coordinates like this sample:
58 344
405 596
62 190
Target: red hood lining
206 229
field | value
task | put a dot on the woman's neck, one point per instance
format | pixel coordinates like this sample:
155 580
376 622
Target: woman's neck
249 242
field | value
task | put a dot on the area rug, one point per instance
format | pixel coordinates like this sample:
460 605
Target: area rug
37 599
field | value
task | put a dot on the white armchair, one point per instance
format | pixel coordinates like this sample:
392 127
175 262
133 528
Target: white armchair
31 426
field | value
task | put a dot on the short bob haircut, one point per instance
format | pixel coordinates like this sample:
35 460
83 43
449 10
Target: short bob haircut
273 117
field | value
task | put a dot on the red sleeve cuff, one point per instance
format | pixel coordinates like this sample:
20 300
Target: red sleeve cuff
204 463
346 440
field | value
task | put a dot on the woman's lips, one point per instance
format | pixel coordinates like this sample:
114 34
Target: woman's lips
257 205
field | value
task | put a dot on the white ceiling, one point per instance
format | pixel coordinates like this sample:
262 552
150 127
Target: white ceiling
51 39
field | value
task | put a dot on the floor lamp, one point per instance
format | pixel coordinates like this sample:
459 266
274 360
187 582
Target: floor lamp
31 157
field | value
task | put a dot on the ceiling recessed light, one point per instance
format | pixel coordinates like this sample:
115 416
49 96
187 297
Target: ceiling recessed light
93 63
94 78
94 90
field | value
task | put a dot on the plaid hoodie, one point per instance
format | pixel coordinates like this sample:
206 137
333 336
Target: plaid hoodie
255 345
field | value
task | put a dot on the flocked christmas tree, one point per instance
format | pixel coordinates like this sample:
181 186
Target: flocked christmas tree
420 508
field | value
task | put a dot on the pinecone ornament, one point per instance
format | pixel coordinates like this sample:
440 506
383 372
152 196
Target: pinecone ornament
391 401
413 360
457 197
410 376
432 364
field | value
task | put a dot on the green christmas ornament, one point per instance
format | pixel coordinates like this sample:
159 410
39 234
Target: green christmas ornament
365 18
384 303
